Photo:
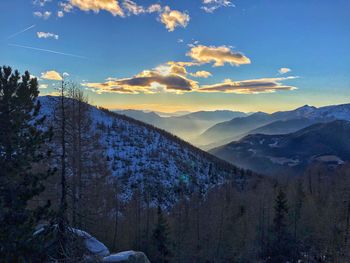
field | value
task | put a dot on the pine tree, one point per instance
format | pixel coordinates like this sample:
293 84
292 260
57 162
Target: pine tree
21 148
161 239
281 246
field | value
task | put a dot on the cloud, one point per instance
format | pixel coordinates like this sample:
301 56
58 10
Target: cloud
111 6
177 67
174 18
210 6
41 2
155 8
184 63
134 9
254 86
193 44
51 75
201 74
44 15
284 70
43 86
153 81
47 35
172 67
218 55
170 18
52 93
147 82
64 8
65 74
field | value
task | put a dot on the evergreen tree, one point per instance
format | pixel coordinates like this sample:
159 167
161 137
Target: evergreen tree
21 153
161 239
281 246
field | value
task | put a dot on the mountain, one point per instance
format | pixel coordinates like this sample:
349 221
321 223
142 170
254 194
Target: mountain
277 127
283 126
290 153
150 159
186 126
232 128
215 116
148 117
170 114
276 123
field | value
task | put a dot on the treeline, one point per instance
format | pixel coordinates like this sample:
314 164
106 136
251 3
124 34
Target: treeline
301 219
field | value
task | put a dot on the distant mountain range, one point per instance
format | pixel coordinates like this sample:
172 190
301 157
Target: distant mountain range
282 122
170 114
186 126
291 153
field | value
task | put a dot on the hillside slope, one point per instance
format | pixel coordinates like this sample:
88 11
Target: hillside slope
149 159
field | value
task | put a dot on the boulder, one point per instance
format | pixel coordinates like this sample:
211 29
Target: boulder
127 257
94 246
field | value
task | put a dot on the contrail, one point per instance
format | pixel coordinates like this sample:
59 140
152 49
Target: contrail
20 32
49 51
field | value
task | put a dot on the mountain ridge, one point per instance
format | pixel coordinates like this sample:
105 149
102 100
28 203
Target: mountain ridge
290 153
238 128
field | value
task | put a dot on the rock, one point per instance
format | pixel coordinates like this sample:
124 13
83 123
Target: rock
127 257
94 246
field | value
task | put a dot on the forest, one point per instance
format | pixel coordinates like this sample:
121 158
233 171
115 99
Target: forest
56 176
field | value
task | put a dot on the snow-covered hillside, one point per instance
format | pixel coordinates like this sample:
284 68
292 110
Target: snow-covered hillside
149 159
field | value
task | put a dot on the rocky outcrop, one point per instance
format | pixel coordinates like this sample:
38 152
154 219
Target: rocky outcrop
94 246
86 247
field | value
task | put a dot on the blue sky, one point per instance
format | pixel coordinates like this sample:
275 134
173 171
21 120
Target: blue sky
131 54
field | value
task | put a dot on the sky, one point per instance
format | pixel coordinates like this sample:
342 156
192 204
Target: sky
184 55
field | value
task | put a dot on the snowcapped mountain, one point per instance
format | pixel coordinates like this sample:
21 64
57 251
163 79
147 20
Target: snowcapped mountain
338 112
149 159
332 112
281 122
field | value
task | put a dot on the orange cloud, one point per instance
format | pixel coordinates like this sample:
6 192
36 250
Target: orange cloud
51 75
147 82
111 6
217 55
174 18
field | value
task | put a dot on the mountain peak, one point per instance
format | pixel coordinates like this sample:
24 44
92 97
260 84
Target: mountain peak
306 107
